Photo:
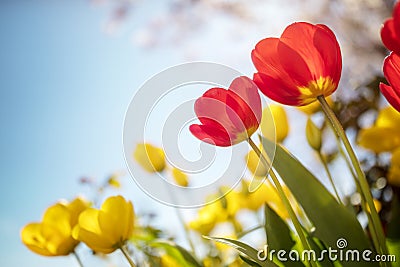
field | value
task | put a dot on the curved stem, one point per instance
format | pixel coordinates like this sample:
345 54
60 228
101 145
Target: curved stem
328 172
126 254
248 231
284 199
372 230
364 187
77 259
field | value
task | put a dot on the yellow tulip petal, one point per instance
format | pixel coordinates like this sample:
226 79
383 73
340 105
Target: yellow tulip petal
149 157
116 211
315 106
168 261
180 177
388 118
388 139
58 216
280 122
255 165
75 208
94 241
32 238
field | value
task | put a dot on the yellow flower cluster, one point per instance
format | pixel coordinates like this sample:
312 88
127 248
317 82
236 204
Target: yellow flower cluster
64 225
387 130
53 235
108 228
152 159
225 209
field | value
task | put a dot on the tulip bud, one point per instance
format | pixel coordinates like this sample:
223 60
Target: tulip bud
314 135
180 177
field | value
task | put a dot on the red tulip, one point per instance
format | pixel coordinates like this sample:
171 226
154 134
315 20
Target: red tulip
305 62
390 32
228 116
391 69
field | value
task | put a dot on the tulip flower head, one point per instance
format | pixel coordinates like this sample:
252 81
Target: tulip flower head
391 69
108 228
53 235
149 157
386 129
280 121
304 63
228 116
390 32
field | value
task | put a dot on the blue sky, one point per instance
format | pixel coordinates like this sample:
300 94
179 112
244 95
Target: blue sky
65 86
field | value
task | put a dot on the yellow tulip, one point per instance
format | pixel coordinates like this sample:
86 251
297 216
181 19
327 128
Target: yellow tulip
394 171
267 193
280 121
388 139
315 106
204 223
149 157
108 228
180 177
388 117
221 210
255 165
53 235
386 130
168 261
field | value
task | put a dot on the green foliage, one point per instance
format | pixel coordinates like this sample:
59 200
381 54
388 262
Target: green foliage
331 220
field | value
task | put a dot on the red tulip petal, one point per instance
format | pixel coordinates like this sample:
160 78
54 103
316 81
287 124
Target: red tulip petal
389 37
211 134
266 60
247 90
328 47
274 89
313 46
295 65
212 106
396 19
391 69
391 96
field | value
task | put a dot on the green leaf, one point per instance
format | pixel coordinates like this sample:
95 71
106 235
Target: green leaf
394 249
318 246
181 255
278 233
393 229
245 249
249 262
331 220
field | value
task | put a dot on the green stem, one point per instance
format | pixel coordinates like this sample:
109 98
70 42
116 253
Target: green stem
77 259
182 222
328 172
364 187
284 199
372 230
185 230
126 254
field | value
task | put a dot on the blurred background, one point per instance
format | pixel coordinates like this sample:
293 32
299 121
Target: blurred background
68 70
